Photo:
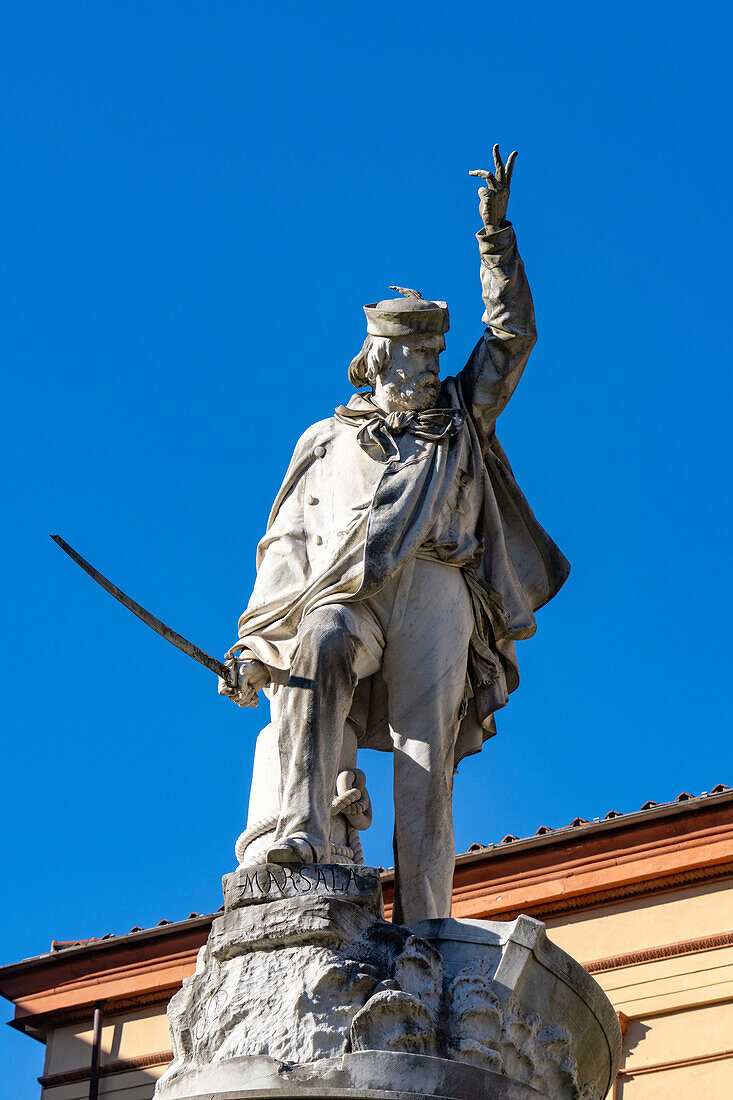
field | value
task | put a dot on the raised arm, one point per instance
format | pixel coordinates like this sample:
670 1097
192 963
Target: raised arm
496 363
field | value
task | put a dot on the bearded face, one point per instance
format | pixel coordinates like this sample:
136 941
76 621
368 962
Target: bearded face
410 381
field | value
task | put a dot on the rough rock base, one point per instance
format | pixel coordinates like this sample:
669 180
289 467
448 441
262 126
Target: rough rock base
315 994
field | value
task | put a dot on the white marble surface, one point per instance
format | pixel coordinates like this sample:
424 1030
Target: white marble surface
317 991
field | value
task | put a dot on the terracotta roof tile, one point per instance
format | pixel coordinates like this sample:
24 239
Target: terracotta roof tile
545 830
60 945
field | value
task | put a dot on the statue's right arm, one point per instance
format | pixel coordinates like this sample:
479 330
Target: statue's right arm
498 360
248 676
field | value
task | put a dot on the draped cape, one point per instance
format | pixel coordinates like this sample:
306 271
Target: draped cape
520 569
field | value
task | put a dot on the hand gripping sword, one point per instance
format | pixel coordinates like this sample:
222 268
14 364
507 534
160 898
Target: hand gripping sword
150 620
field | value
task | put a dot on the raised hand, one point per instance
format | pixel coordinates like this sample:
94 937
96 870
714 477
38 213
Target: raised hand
494 197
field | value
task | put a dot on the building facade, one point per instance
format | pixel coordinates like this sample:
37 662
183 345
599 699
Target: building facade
643 900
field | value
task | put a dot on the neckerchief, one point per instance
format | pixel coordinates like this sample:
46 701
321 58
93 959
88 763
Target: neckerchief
377 428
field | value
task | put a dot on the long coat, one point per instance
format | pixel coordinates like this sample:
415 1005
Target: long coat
344 522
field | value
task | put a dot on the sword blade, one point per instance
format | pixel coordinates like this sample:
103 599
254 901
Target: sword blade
150 620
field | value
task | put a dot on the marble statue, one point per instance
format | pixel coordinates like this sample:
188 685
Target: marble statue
400 565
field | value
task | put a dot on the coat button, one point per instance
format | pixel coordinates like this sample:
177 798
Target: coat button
311 499
319 451
318 540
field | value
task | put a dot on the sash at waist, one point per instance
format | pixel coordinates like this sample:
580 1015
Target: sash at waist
430 553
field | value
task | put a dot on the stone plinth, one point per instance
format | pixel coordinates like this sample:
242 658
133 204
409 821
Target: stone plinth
366 1075
314 994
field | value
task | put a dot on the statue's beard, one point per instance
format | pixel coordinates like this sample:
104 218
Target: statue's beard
413 395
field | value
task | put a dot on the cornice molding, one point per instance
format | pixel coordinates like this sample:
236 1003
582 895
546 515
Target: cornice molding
664 951
598 898
678 1063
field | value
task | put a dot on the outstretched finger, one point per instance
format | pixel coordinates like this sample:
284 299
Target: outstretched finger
491 182
499 164
510 166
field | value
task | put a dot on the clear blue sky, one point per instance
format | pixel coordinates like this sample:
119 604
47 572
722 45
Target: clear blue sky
196 201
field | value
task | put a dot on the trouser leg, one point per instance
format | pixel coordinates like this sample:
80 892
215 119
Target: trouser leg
314 706
424 665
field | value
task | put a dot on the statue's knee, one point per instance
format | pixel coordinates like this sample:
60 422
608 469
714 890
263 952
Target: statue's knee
325 637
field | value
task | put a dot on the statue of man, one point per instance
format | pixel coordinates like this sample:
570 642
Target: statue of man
401 563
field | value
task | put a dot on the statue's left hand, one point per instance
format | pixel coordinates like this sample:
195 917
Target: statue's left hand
494 197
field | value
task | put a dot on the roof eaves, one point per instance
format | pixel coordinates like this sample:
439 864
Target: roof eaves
91 947
598 825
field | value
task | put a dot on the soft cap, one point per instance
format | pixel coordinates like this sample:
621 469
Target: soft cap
410 315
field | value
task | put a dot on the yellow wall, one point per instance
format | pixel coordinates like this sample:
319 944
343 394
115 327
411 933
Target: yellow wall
131 1035
680 1009
635 924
